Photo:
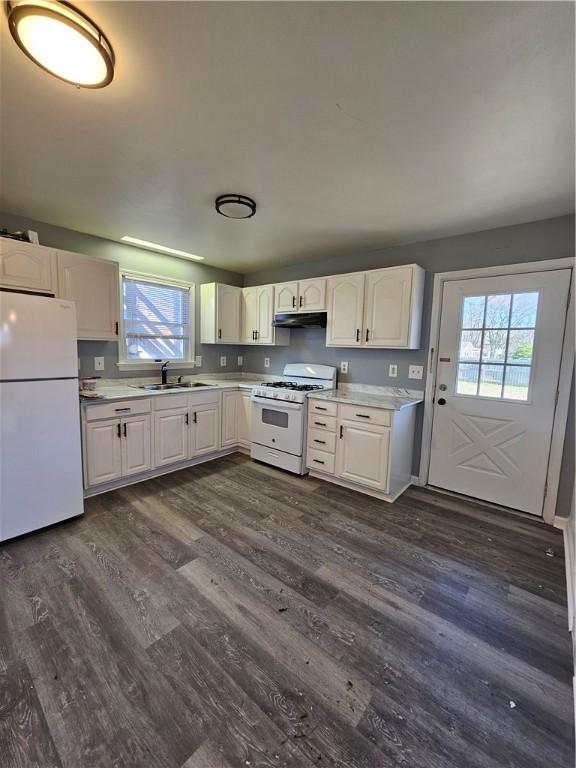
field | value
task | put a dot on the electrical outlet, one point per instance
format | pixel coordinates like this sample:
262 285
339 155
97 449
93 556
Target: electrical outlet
198 361
240 361
392 371
98 363
266 362
343 367
222 362
415 371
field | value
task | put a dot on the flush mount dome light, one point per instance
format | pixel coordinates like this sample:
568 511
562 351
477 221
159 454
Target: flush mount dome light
63 41
235 206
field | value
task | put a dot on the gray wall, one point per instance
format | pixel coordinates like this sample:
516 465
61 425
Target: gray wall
138 260
536 241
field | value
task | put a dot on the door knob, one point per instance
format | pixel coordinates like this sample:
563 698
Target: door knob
442 401
443 387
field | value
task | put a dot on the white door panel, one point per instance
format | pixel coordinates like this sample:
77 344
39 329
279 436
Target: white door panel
205 432
387 307
286 297
103 451
345 310
362 454
312 295
498 364
136 446
265 314
171 436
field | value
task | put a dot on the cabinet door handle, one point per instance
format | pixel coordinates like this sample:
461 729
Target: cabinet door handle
256 334
187 420
318 461
301 302
341 431
116 327
322 442
219 333
293 301
362 415
118 432
253 335
122 410
357 334
320 423
367 334
195 418
125 430
319 408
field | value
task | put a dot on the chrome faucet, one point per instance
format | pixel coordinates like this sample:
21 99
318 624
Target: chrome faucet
164 371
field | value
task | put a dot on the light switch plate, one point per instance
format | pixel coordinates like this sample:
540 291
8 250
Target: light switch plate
415 371
198 361
266 362
392 371
240 361
98 363
344 366
222 362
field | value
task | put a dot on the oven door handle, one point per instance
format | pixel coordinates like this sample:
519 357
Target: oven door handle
277 404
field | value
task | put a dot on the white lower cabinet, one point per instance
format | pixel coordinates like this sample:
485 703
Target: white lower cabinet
244 419
236 419
205 432
365 448
116 448
171 441
362 454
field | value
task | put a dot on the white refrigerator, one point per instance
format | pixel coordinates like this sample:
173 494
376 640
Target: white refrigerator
40 449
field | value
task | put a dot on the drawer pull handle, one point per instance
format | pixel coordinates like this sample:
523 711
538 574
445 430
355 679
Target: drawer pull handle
322 442
122 410
318 461
362 415
319 408
341 431
320 423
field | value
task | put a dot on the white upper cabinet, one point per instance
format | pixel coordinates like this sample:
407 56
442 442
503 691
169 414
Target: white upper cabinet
27 266
303 296
220 313
312 295
286 297
345 310
392 318
381 308
249 315
93 284
265 314
257 317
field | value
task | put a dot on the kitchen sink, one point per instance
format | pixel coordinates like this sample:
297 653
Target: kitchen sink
184 385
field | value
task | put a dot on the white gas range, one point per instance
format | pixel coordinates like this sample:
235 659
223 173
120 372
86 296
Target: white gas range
279 414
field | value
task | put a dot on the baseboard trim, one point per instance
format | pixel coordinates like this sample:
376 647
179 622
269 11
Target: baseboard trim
389 497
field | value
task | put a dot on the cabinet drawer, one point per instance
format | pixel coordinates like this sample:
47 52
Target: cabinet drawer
323 407
167 402
320 460
206 397
366 415
321 440
319 421
118 409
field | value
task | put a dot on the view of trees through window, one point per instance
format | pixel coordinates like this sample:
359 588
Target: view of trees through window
496 345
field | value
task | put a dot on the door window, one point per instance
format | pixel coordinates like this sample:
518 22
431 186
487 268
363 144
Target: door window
496 345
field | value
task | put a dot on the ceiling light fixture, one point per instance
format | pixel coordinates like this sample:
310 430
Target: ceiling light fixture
63 41
235 206
163 248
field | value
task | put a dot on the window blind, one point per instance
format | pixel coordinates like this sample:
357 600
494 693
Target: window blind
156 320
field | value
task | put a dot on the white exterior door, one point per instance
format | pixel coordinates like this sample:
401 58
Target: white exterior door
249 317
171 436
228 313
345 310
103 451
387 310
286 297
229 418
498 365
312 295
205 432
265 314
93 285
28 266
136 446
362 454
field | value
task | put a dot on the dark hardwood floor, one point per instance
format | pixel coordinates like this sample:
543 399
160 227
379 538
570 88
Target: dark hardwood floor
232 615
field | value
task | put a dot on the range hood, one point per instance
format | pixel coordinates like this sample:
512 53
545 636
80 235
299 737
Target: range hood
300 320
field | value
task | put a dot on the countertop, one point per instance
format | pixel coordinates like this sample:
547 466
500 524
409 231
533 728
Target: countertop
391 402
129 392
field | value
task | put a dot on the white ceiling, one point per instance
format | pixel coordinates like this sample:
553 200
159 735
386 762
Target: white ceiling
353 125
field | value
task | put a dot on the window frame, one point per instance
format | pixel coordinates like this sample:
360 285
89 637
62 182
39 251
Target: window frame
147 365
